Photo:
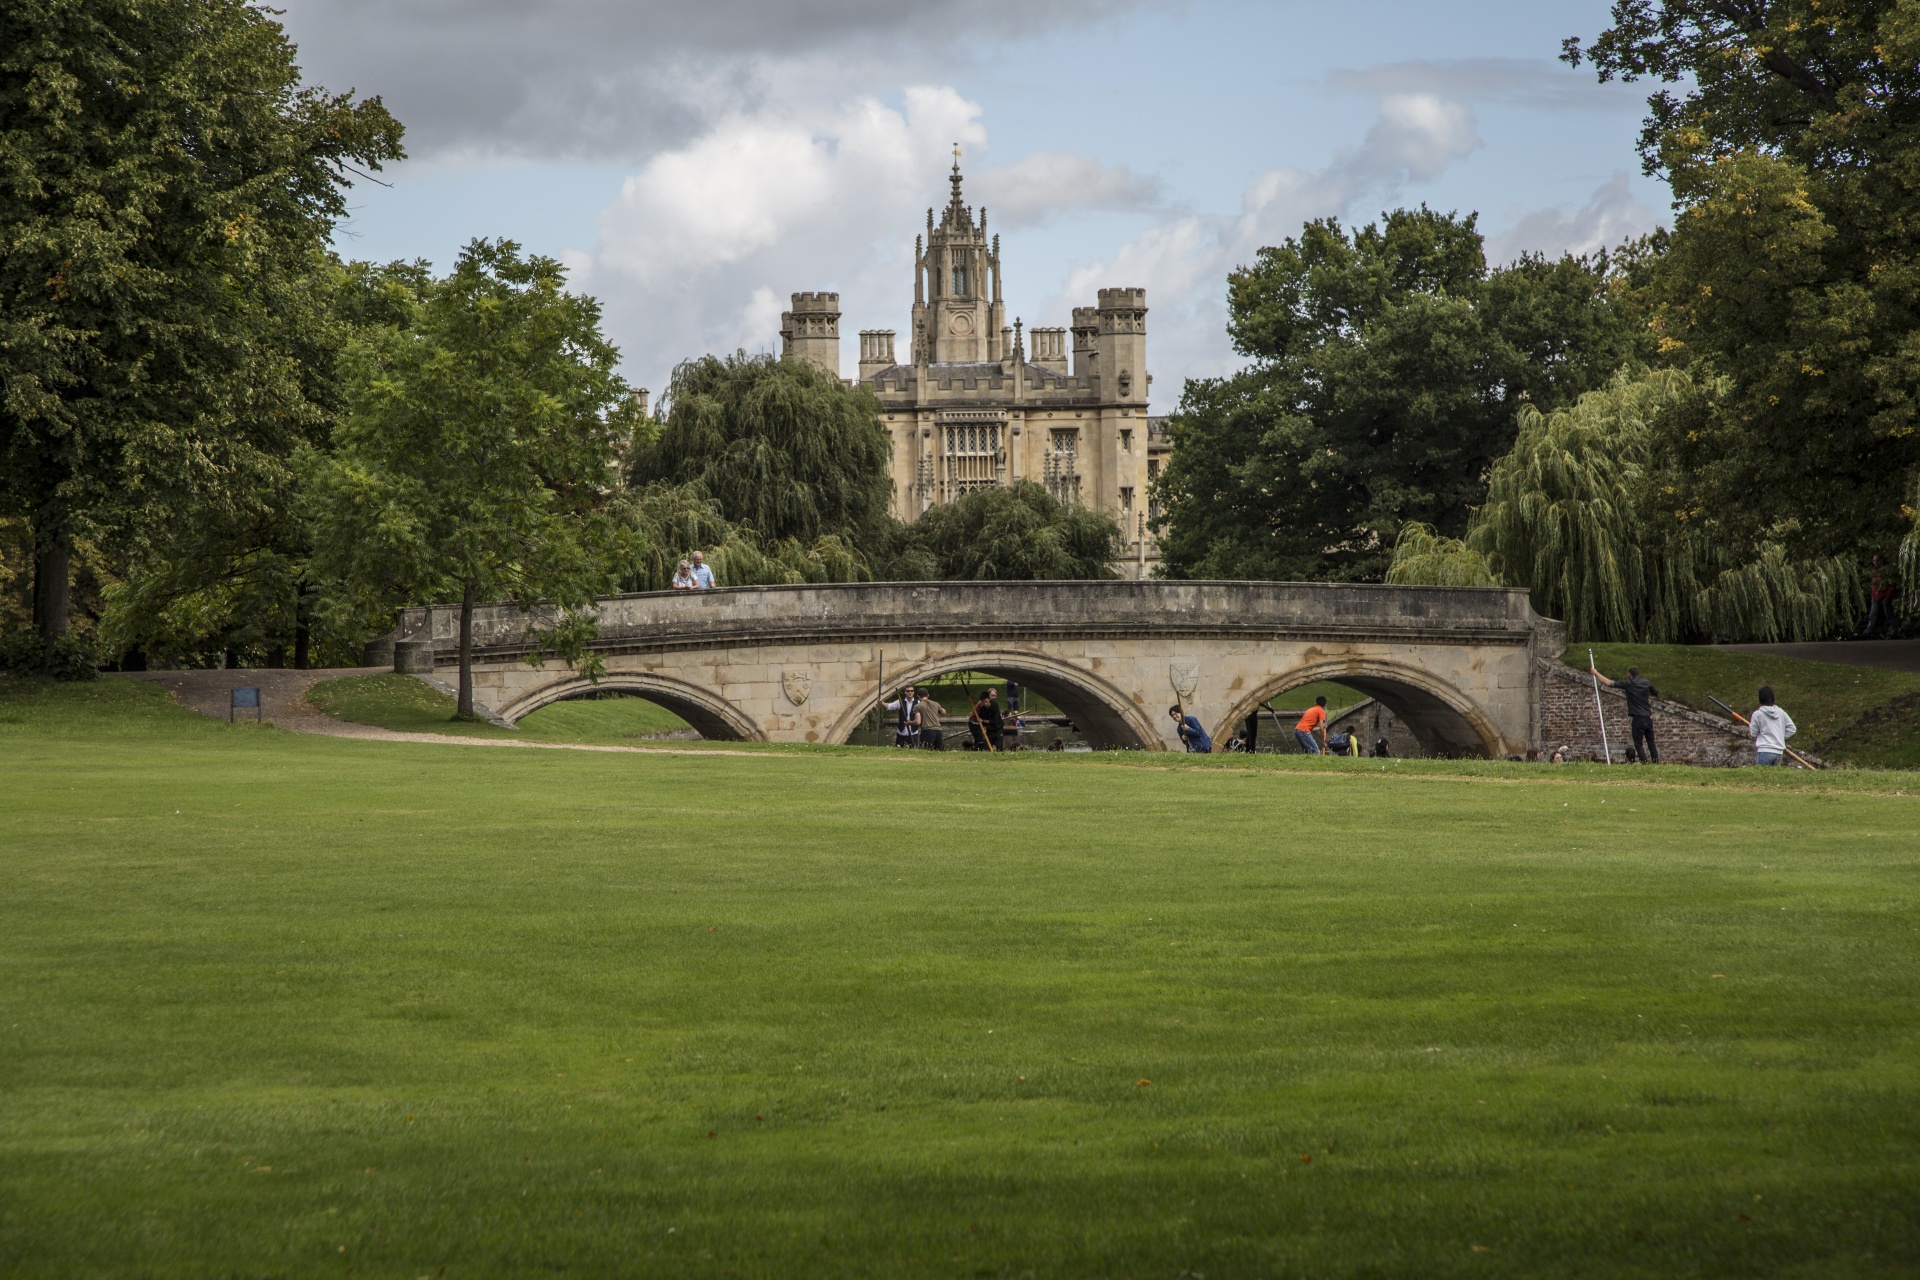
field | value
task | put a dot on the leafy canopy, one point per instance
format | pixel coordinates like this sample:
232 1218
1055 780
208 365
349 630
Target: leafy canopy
1790 132
782 446
478 450
1388 362
167 187
1018 532
1580 513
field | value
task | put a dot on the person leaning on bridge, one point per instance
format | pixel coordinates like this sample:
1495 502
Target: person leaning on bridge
702 576
683 577
1640 695
1311 732
1192 732
932 736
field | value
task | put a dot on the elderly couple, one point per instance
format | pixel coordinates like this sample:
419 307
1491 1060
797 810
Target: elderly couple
693 575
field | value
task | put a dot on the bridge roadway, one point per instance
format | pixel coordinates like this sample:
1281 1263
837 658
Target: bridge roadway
1459 665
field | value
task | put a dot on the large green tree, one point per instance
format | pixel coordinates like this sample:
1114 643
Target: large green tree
478 452
229 572
782 446
1388 363
166 187
1790 132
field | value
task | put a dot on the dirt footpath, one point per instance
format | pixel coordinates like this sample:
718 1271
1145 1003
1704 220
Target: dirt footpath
1888 655
283 699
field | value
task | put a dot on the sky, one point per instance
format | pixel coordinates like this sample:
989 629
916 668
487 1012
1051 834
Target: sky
695 162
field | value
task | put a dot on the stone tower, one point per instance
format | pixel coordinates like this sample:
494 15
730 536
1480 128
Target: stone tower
811 331
958 316
967 408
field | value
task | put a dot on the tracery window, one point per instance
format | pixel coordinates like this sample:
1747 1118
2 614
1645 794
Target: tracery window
973 456
1063 463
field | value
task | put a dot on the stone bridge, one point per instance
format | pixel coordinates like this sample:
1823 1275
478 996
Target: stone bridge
1460 666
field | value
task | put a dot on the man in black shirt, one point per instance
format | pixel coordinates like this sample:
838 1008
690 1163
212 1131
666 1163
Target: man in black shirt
1640 695
985 722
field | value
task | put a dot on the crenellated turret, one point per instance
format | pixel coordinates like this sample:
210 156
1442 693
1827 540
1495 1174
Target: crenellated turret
811 331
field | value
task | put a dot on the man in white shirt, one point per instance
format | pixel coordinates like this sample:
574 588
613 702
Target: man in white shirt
906 730
702 576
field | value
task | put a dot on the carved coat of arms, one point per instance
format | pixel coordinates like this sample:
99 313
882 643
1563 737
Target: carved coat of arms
1186 678
798 685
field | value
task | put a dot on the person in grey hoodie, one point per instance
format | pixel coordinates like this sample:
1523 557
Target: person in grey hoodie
1769 728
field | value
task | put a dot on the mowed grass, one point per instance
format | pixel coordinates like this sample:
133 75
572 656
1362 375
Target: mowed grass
391 701
299 1006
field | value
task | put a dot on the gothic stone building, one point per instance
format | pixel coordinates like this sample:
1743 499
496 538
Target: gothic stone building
970 409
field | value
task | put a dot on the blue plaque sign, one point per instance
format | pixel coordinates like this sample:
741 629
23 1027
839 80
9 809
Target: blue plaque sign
245 698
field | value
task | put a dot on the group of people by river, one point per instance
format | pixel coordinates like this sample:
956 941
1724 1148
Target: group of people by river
919 721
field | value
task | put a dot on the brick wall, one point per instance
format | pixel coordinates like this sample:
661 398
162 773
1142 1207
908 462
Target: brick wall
1682 735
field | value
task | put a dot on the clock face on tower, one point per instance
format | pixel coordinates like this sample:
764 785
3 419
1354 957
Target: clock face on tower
961 325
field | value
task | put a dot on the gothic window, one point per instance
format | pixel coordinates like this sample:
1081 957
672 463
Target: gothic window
1126 499
973 456
1062 463
959 282
1126 440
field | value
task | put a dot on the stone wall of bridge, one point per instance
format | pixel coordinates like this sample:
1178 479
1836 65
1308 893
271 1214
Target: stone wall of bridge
805 664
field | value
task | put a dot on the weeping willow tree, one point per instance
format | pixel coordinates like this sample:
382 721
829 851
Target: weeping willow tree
1580 514
1424 557
779 446
674 521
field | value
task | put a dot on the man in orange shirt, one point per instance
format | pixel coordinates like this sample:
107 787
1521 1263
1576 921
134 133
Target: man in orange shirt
1311 732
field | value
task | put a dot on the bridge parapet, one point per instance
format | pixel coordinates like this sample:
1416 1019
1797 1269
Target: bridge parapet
875 610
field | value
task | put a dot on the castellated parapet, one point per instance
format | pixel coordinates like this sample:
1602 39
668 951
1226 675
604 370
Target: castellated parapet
811 331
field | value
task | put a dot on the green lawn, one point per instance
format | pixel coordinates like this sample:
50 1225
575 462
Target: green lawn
402 702
295 1006
1849 715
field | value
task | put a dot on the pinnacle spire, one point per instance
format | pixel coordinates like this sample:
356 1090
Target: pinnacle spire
954 178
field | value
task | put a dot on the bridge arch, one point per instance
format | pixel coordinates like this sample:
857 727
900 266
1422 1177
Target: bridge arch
1105 715
711 716
1446 721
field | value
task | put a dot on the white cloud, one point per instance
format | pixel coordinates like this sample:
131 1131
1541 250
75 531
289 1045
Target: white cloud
1532 82
1039 187
1610 215
598 79
1183 263
706 240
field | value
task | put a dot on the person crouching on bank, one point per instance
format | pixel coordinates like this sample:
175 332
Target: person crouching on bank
1311 732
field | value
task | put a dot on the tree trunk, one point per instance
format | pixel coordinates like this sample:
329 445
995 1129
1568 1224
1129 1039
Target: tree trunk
465 711
302 630
52 586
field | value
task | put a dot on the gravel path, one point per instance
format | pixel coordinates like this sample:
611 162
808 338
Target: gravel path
1888 655
283 698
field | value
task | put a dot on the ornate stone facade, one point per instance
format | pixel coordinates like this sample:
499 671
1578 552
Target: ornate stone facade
970 408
